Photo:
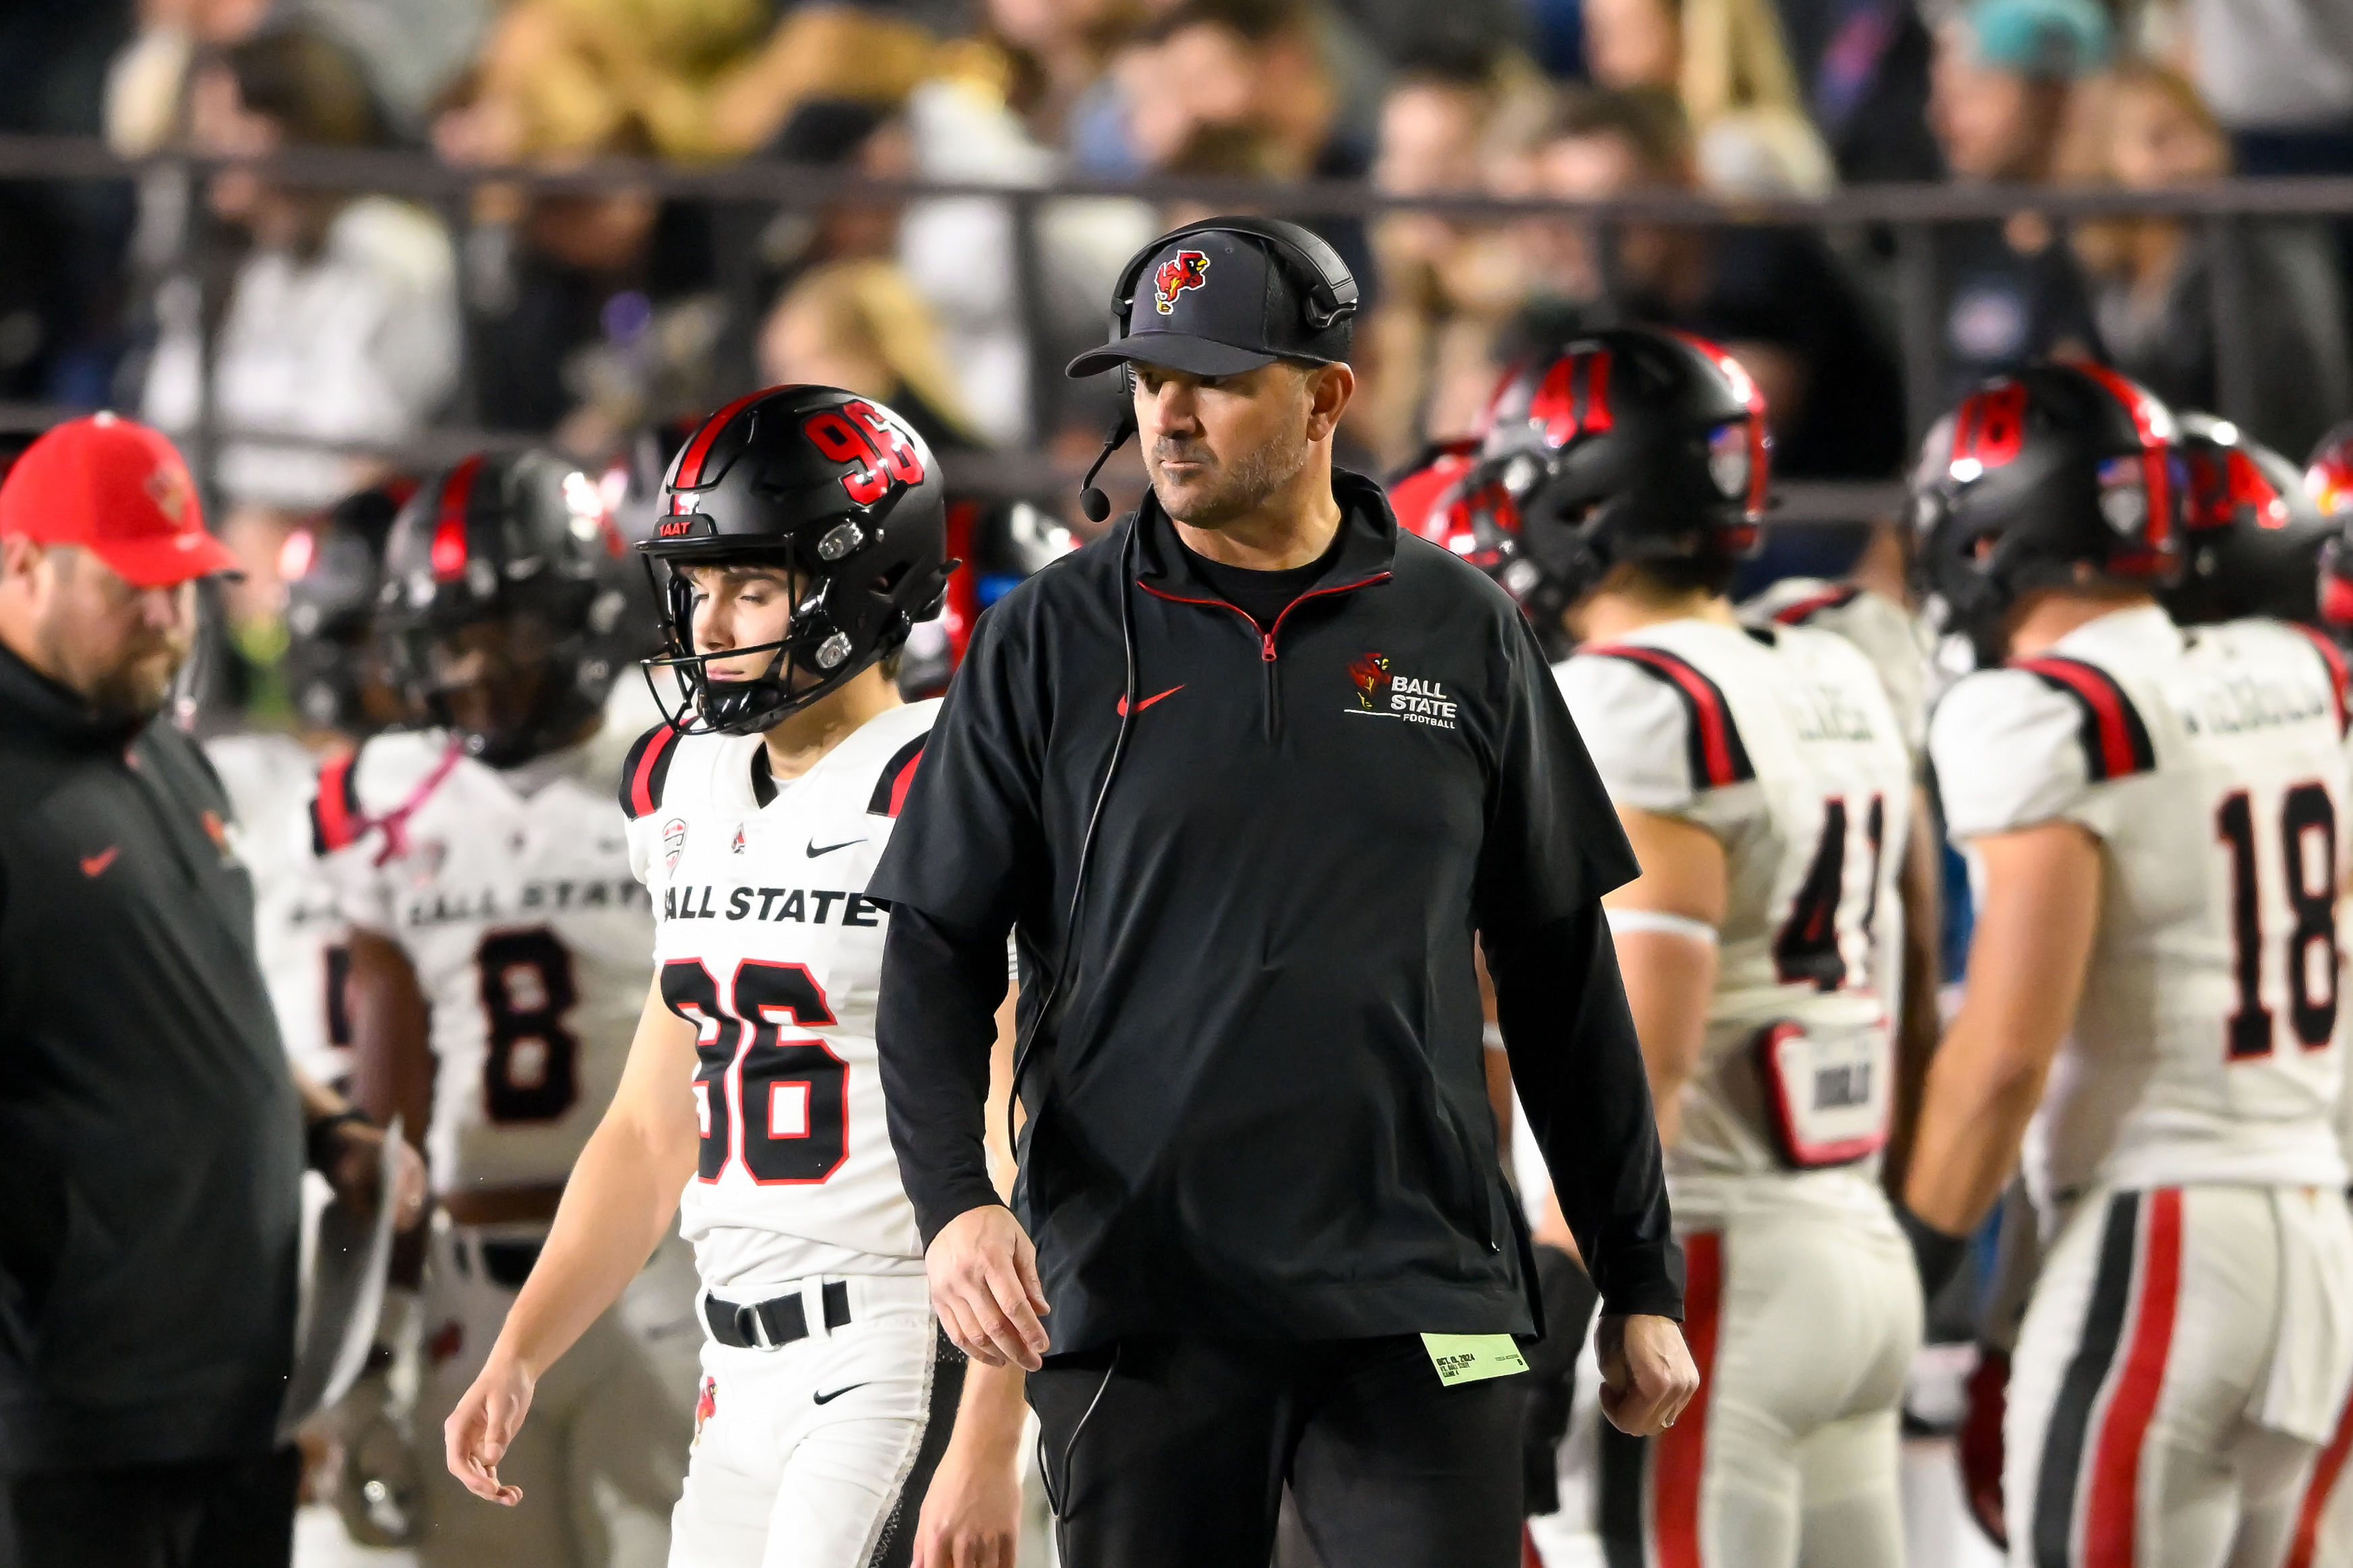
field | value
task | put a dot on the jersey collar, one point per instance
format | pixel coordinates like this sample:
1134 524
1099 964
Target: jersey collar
2143 632
1368 535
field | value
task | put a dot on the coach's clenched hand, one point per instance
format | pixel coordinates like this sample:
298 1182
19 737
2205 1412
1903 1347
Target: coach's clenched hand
1647 1375
982 1270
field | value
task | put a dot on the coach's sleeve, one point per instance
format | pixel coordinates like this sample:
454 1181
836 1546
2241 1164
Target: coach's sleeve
954 874
1554 847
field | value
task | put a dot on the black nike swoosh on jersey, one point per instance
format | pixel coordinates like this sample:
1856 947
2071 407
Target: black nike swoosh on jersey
816 849
829 1398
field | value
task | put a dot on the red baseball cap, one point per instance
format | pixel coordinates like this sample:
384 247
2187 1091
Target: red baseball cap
119 491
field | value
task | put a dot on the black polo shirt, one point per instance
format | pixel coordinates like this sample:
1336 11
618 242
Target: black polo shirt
151 1142
1259 1105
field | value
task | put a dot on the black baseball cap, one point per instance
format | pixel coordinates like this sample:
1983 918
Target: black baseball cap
1216 301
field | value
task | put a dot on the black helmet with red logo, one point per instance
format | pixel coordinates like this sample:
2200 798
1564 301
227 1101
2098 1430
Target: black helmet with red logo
1630 445
2251 536
501 601
331 570
2036 473
841 493
996 545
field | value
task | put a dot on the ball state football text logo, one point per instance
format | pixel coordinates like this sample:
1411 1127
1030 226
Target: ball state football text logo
1385 694
1186 269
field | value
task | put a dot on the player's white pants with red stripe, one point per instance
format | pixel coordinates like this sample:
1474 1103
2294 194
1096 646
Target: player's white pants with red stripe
801 1453
2182 1363
1802 1322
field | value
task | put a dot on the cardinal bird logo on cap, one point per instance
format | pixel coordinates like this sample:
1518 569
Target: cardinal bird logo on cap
1186 269
169 489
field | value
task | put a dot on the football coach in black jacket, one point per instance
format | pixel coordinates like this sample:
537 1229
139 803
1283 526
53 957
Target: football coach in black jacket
1247 778
152 1136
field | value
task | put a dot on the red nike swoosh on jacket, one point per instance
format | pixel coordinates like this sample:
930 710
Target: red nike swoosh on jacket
1121 704
96 865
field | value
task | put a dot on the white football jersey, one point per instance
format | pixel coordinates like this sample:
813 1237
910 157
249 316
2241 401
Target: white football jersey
2210 764
1780 742
765 942
1896 641
298 936
511 892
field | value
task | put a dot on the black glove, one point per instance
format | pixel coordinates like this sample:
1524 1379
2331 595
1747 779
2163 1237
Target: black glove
1569 1300
1937 1255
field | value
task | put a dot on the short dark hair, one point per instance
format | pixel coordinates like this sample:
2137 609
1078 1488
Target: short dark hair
1651 119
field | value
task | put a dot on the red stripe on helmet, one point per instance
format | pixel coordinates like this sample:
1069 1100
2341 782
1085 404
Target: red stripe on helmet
1595 416
1555 404
2155 470
689 462
449 551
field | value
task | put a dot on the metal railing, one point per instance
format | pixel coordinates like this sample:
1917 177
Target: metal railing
1911 213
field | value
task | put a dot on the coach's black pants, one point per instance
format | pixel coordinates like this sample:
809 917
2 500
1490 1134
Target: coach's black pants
206 1513
1184 1458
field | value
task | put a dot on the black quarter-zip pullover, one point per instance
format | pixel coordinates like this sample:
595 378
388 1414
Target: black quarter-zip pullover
150 1142
1258 1109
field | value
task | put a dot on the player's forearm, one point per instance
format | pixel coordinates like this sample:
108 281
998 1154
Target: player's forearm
934 1023
2028 959
1918 1021
1669 979
989 1415
1982 1091
617 1205
1575 1055
392 1062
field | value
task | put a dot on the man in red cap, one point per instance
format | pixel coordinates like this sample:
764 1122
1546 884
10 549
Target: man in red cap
150 1196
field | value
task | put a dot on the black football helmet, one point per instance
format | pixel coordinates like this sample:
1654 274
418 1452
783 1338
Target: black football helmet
998 545
334 672
2036 473
501 603
2251 536
1632 444
833 486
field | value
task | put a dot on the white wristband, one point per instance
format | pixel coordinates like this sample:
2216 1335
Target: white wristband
1624 920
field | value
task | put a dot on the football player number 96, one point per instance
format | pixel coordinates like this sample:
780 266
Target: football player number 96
788 1110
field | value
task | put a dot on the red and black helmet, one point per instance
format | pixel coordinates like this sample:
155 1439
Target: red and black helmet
833 486
2035 474
1630 445
997 545
331 571
2251 536
519 538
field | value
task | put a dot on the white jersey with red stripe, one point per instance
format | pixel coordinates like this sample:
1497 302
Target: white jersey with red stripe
1780 742
510 893
765 942
2209 763
1896 641
298 935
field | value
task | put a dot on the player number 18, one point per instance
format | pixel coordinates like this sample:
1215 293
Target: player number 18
2307 825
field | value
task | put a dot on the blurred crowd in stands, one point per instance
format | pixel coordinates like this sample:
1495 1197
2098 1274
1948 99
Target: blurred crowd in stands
343 319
